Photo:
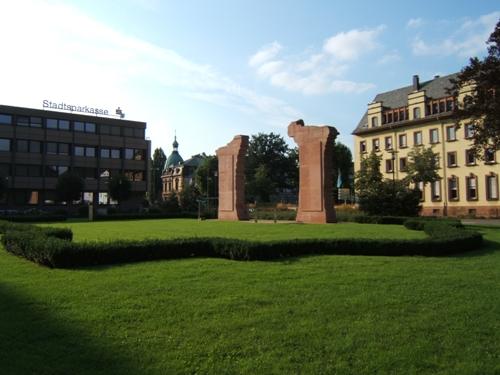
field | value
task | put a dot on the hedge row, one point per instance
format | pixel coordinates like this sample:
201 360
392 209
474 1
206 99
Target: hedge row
53 247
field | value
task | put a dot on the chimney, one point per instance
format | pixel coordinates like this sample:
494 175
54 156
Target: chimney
416 83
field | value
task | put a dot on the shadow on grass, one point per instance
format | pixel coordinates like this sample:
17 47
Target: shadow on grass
34 341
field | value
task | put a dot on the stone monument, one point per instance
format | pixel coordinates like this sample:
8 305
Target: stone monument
232 179
315 143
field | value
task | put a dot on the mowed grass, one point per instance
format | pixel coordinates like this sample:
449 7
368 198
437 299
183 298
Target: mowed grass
308 315
177 228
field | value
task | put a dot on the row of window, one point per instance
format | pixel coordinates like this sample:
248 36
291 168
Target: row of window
418 138
77 126
57 148
34 197
472 188
432 107
451 160
21 170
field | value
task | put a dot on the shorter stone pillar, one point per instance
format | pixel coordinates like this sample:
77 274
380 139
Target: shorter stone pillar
315 143
232 179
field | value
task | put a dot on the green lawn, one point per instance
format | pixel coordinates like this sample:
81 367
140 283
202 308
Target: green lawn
175 228
308 315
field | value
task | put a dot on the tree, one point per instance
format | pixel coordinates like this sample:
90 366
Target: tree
69 187
120 188
188 198
281 162
205 177
157 165
261 187
171 203
342 161
384 197
480 107
422 166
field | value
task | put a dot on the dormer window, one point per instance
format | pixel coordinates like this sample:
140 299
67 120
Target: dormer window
374 121
416 113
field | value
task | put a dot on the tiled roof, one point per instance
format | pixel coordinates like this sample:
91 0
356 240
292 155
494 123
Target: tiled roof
435 88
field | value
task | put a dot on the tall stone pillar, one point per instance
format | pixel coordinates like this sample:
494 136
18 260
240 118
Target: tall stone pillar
315 143
232 179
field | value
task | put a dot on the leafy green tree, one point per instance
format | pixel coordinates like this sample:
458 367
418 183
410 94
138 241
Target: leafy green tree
422 165
281 164
384 197
157 165
171 203
205 175
342 161
481 107
261 187
120 188
188 198
69 187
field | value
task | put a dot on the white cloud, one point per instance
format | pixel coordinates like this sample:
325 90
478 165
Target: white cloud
316 73
67 55
389 58
467 41
351 45
266 53
414 23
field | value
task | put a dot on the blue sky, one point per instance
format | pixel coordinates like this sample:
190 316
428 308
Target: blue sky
209 70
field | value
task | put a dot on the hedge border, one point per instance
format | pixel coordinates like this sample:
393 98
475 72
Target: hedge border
53 247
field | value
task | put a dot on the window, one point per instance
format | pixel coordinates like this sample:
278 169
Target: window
139 154
79 151
63 148
492 187
89 127
471 183
84 151
23 145
128 132
388 143
374 121
451 158
28 170
90 152
436 190
4 144
453 188
115 153
129 153
469 131
434 136
5 119
51 148
489 156
5 170
375 144
57 124
403 162
362 146
437 161
55 170
105 153
389 165
417 138
402 141
139 133
23 121
135 175
35 122
79 126
470 158
449 104
416 113
451 134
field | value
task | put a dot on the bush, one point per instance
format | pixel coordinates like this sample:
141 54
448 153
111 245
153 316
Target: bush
52 247
419 223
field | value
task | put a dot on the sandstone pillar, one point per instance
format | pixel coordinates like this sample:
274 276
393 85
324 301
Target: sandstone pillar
315 143
232 179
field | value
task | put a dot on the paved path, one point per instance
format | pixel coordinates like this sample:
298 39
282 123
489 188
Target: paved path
488 222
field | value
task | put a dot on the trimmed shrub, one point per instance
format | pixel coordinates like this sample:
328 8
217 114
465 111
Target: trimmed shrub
52 247
419 223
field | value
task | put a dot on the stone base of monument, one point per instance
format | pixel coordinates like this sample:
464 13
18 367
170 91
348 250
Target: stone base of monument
316 217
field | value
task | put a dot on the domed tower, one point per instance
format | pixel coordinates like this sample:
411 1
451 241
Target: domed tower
175 159
172 176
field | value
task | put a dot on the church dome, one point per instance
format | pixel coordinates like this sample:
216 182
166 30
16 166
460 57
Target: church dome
174 158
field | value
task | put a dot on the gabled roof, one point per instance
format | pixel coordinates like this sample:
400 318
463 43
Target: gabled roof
435 88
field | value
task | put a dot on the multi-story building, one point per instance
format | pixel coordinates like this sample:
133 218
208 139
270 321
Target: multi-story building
421 115
179 173
37 146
